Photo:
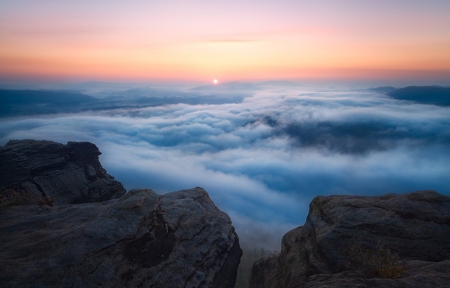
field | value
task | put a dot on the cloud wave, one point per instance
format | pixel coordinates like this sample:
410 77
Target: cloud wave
265 158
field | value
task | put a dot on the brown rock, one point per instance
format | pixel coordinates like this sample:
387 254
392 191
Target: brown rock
180 239
416 226
67 174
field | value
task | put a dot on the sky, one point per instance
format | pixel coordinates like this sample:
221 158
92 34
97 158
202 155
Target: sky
49 40
264 157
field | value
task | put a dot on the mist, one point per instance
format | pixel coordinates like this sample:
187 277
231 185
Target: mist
262 151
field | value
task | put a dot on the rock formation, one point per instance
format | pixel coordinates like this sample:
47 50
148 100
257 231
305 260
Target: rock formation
415 227
180 239
142 239
67 174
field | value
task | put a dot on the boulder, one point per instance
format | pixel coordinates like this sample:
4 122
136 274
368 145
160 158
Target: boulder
180 239
50 172
415 227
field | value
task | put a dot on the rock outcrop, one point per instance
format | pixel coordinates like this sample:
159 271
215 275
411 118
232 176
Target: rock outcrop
98 236
414 226
67 174
180 239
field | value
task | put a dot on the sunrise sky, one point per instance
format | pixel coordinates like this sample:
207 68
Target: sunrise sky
226 40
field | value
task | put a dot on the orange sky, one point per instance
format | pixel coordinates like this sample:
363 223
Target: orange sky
233 40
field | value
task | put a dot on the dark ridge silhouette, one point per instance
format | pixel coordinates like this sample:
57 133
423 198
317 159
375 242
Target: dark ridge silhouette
34 102
244 87
383 89
37 102
229 86
424 94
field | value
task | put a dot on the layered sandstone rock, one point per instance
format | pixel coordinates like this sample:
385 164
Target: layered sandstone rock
67 174
179 239
415 226
98 236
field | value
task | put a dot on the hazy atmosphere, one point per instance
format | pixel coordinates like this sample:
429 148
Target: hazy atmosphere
265 104
263 151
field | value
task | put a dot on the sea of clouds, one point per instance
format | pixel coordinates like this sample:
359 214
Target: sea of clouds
264 159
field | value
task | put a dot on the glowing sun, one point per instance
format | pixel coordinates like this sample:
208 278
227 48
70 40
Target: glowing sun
215 81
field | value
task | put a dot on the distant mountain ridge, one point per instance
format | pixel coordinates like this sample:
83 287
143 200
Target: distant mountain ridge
436 95
244 86
228 86
40 102
33 102
43 96
383 89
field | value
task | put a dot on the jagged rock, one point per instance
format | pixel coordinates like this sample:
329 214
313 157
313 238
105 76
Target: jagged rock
67 174
416 226
180 239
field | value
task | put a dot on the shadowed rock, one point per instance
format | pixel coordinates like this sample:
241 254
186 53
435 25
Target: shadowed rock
67 174
180 239
415 226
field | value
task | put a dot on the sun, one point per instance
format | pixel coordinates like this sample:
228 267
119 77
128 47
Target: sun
215 81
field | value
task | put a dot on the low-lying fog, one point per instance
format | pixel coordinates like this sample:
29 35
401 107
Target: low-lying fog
264 154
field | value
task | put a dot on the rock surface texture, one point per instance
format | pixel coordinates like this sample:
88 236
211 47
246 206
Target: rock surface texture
67 174
415 226
137 239
180 239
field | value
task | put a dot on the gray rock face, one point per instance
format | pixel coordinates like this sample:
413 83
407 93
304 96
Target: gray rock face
180 239
416 226
66 173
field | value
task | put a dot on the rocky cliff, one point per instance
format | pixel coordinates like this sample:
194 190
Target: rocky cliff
352 241
67 174
142 239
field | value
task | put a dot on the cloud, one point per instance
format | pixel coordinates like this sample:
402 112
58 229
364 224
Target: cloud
264 159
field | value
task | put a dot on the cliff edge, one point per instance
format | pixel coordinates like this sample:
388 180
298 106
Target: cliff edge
137 239
37 171
355 241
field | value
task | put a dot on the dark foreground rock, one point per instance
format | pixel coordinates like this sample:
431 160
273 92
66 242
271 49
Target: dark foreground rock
415 226
180 239
66 174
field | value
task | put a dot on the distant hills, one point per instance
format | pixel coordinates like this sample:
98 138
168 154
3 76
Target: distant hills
40 102
42 96
383 89
226 87
244 87
435 95
423 94
33 102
